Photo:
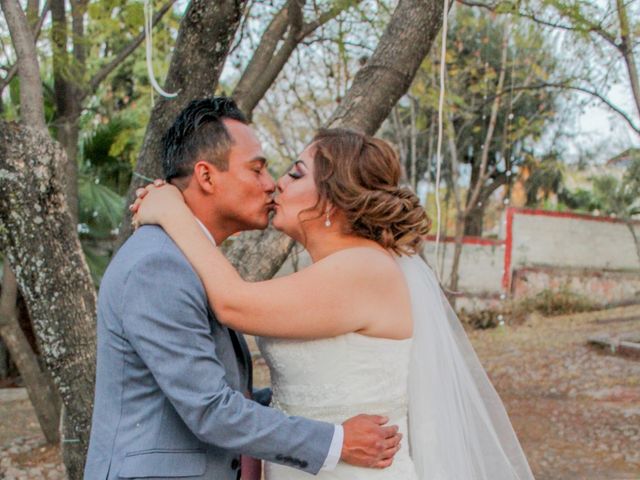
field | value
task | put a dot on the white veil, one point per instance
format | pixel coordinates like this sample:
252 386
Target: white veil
458 427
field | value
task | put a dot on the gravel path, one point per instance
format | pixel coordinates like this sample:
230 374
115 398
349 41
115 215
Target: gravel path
576 408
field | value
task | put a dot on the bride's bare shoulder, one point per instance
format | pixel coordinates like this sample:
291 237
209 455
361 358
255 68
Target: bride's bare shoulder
363 262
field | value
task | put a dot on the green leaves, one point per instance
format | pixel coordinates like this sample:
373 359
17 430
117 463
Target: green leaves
101 208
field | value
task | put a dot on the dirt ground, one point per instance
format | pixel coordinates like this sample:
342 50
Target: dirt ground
575 408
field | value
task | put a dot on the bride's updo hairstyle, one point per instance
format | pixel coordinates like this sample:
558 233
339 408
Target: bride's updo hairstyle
360 175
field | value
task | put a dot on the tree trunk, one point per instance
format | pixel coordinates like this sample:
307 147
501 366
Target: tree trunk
626 47
68 95
37 232
413 175
204 39
469 220
248 255
376 88
634 236
4 361
266 64
388 73
474 221
31 98
41 390
40 241
455 266
279 41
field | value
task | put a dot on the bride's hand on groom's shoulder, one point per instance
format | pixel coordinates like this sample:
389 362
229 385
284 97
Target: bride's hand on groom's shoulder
369 442
155 203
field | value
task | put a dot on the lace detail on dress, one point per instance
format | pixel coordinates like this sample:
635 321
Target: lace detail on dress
334 379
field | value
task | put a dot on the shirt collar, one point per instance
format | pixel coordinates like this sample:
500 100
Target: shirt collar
206 231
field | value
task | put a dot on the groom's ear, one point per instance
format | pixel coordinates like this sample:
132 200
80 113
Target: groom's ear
206 176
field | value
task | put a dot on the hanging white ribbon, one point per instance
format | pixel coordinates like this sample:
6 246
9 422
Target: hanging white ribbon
148 32
443 54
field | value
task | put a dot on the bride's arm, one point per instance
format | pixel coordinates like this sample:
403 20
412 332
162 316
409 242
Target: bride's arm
319 301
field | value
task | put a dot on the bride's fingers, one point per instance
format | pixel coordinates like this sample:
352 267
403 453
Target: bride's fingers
135 206
142 191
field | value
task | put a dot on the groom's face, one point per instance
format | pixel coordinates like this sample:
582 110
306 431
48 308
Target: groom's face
244 192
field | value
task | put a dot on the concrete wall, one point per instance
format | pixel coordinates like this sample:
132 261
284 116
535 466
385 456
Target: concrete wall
481 265
602 287
539 250
572 242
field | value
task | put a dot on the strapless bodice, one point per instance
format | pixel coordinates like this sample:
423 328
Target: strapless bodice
336 378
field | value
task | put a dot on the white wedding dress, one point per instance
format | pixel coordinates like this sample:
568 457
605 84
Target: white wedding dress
432 386
336 378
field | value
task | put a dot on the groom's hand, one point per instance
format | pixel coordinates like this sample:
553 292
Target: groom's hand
368 442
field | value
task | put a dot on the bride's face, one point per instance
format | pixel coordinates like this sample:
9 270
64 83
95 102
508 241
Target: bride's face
296 193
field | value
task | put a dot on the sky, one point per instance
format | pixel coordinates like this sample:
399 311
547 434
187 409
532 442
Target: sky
598 126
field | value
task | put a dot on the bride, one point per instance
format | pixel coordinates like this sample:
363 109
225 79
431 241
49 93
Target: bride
366 326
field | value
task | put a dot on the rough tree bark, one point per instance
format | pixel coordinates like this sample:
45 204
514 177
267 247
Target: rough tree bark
204 40
41 245
39 239
278 42
42 393
387 75
376 88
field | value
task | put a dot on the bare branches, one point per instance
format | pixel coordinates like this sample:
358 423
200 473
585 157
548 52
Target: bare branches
579 21
387 75
285 32
568 86
513 9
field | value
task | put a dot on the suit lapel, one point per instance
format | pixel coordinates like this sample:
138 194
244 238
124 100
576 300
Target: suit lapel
244 356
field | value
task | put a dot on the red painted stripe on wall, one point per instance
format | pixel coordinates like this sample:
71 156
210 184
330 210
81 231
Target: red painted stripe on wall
577 216
468 240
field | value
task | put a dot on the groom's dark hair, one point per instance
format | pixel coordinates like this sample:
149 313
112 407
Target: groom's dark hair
198 131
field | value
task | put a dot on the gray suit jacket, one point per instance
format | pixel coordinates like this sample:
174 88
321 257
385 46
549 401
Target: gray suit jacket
170 380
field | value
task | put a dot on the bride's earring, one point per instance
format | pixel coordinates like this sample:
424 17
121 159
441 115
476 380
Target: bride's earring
327 222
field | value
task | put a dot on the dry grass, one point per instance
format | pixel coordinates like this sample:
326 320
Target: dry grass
548 303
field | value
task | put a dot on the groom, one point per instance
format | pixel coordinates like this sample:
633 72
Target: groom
171 380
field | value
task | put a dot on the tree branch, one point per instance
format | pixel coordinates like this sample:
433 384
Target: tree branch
626 47
388 73
31 97
206 33
564 86
473 197
124 53
13 69
268 60
512 10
